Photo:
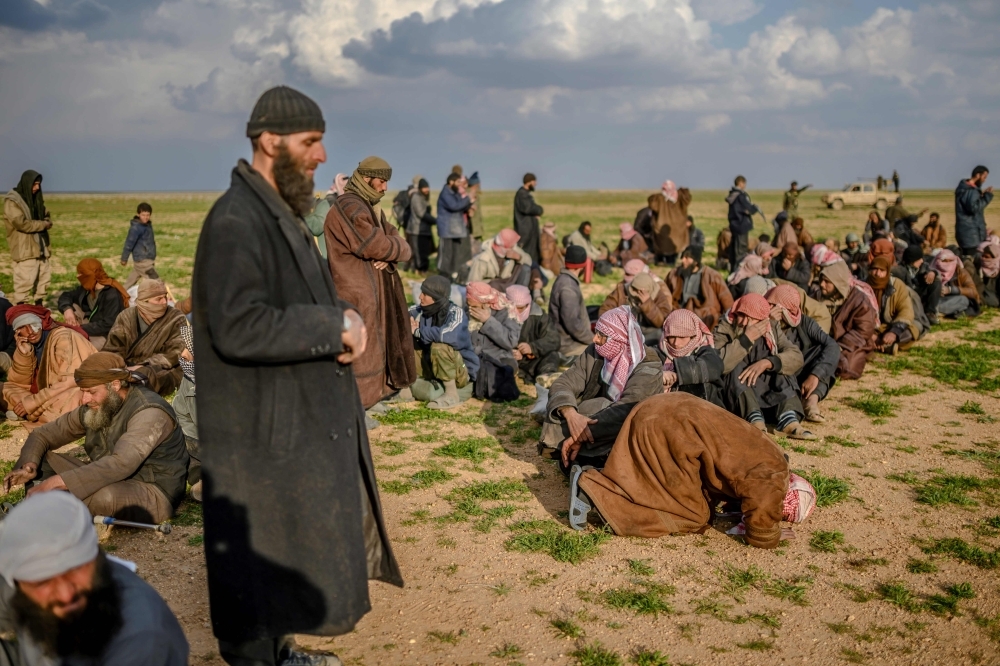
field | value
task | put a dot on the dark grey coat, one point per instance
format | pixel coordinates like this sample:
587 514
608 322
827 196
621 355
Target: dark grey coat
526 213
568 312
287 469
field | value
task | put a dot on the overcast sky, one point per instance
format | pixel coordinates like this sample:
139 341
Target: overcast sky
155 94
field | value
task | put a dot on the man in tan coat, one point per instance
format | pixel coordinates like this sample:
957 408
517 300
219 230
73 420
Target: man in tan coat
40 386
27 224
699 288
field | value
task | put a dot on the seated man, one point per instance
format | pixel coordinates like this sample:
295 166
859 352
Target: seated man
759 367
690 362
792 265
696 237
698 288
40 385
934 234
567 309
855 254
897 327
722 243
959 295
64 601
751 266
919 275
537 351
589 402
984 268
598 256
148 337
855 317
675 458
445 357
650 301
502 262
820 352
186 409
494 331
138 458
93 306
903 229
631 246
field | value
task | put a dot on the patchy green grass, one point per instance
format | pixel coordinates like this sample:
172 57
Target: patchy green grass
759 645
963 552
952 489
507 651
392 448
196 540
909 478
873 404
841 441
474 449
425 478
904 390
449 637
641 568
988 457
648 601
644 657
17 494
970 407
793 589
829 489
188 514
852 656
566 628
738 581
897 594
826 542
560 543
963 365
595 654
917 566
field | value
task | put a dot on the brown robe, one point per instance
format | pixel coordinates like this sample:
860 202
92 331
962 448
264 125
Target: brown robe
934 237
157 351
638 250
64 351
356 237
674 455
715 294
653 311
552 253
670 232
854 325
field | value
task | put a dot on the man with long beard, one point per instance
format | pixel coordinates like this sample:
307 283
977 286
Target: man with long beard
139 460
66 602
293 523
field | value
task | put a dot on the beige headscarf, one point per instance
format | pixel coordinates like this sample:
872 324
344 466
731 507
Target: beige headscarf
372 167
148 289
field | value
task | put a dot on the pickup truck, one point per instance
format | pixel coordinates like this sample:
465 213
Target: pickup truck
859 194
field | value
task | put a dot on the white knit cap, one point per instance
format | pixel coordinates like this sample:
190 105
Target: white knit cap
46 535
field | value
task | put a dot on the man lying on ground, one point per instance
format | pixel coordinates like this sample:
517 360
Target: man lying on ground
138 458
691 363
589 402
148 337
674 459
40 385
95 304
66 602
759 368
820 352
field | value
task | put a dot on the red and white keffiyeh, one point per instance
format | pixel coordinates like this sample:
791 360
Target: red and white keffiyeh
755 307
622 351
821 255
520 297
800 500
684 324
786 297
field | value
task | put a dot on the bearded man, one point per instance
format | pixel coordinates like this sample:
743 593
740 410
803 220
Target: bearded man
363 251
40 385
148 336
293 523
526 214
699 288
503 263
139 460
66 602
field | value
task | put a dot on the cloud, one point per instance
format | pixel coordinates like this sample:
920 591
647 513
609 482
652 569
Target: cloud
726 12
714 122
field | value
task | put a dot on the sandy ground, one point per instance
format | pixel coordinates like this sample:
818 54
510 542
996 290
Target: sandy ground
467 596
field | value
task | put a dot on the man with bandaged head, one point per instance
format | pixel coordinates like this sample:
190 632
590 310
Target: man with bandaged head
139 460
66 602
148 337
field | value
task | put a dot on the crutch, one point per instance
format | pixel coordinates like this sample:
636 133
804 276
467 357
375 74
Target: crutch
108 520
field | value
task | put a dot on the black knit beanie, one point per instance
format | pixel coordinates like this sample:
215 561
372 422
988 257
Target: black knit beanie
284 110
576 256
911 254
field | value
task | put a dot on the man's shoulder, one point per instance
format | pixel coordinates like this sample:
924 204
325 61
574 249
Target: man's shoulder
148 621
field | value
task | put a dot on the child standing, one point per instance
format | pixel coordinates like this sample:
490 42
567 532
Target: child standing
141 244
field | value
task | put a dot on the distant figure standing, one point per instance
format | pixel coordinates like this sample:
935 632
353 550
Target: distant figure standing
419 227
791 203
879 182
474 189
454 245
141 244
28 227
895 180
526 214
971 201
669 225
741 211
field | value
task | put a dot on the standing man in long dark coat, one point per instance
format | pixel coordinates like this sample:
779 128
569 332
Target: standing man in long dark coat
293 523
526 214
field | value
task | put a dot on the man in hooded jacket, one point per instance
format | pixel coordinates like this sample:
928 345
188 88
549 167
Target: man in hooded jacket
28 226
293 521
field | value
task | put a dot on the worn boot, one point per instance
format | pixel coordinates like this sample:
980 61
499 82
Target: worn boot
449 399
813 414
538 410
404 395
795 430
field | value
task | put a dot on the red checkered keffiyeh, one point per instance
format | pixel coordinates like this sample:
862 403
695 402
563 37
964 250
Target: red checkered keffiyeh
623 351
756 307
684 324
800 500
786 297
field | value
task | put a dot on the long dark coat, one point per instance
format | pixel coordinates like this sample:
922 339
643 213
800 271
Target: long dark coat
287 469
526 213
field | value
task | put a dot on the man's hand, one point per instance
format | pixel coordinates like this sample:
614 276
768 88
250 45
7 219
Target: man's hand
24 345
669 379
923 212
70 317
809 385
512 254
989 189
19 476
569 449
756 331
579 425
48 224
517 354
754 371
525 349
380 265
642 295
19 409
353 339
786 264
929 277
888 339
414 325
124 263
479 312
51 483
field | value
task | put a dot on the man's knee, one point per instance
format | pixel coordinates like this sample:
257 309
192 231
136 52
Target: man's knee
445 362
